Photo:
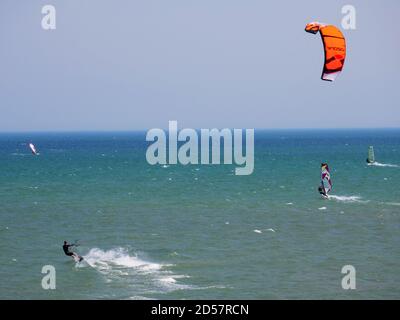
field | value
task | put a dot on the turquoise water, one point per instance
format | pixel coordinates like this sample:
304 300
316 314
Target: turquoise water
197 231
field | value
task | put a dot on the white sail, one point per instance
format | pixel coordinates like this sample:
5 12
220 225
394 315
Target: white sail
33 149
371 155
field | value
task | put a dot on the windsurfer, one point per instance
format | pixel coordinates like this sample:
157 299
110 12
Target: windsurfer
326 183
321 190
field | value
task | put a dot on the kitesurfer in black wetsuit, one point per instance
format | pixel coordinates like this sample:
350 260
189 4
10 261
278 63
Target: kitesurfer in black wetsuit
66 247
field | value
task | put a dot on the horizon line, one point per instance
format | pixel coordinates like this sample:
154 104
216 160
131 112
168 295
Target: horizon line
166 129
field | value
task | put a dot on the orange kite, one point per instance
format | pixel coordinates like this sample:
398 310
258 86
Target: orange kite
334 47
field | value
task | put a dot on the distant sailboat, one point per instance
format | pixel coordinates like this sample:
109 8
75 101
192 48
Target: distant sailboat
326 182
33 149
371 155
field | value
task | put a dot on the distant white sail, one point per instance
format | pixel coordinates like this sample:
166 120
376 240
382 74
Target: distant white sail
371 155
33 149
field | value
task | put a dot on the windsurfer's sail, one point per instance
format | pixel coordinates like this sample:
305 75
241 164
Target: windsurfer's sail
33 149
371 155
326 178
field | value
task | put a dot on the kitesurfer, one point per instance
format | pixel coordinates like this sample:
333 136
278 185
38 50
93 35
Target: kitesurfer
66 247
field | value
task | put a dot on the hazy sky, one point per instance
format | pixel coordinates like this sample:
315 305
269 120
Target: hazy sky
126 65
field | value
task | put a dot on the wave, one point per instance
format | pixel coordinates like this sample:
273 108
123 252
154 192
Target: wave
261 231
213 287
377 164
139 298
20 154
392 203
145 277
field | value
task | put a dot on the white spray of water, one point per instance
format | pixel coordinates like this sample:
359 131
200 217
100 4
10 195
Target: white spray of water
144 276
377 164
347 198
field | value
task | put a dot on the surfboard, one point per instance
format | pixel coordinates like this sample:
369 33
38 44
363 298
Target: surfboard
77 258
323 196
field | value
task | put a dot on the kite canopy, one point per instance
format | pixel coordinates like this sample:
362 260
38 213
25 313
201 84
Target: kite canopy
334 47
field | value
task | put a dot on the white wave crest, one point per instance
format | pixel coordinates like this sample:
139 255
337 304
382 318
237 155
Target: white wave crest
20 154
393 203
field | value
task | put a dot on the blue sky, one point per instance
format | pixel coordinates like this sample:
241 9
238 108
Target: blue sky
127 65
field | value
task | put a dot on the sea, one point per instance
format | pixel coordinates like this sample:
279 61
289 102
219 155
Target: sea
200 231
